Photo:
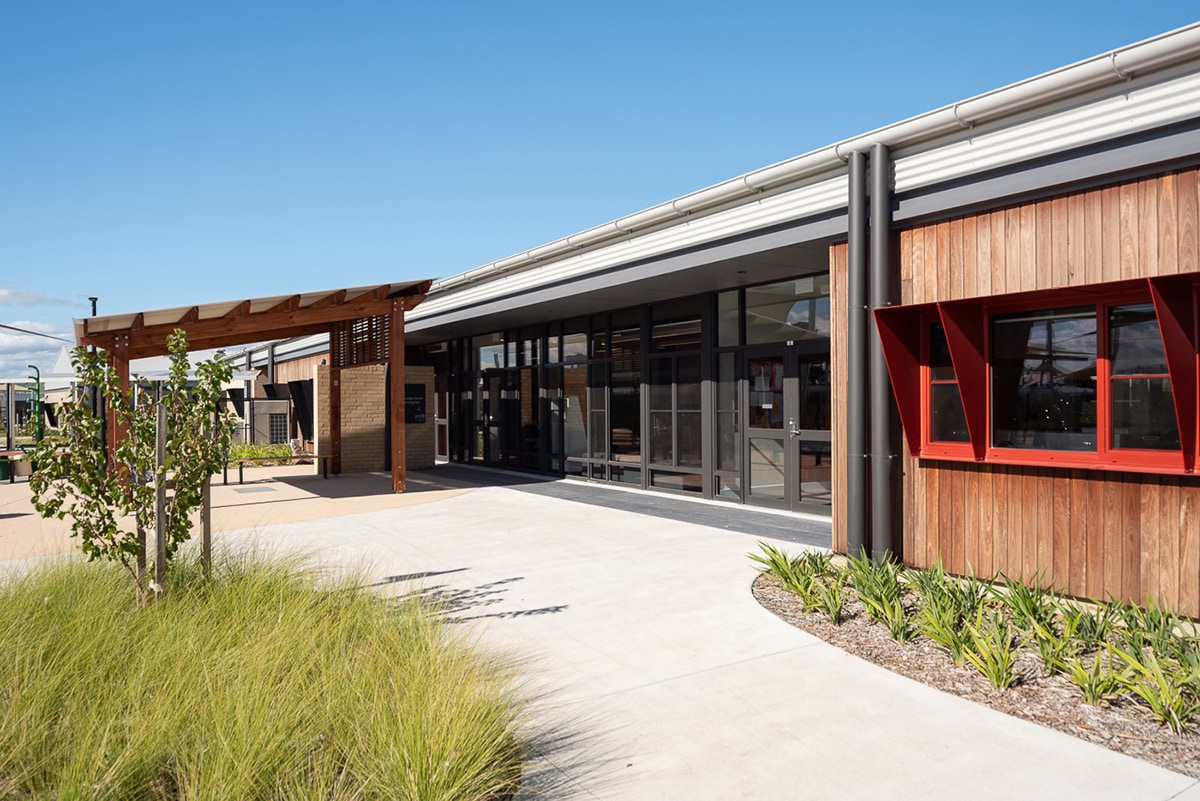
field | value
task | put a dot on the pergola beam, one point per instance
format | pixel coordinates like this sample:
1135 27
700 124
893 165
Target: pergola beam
239 327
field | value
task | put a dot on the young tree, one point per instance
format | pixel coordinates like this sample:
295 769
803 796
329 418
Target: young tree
112 502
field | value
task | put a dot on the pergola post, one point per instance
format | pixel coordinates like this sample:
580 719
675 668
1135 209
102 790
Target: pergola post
396 377
118 362
335 419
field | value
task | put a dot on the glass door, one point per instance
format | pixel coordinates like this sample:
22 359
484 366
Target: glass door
810 434
765 457
492 417
788 443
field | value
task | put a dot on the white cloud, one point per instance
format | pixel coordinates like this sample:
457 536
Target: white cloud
28 297
18 350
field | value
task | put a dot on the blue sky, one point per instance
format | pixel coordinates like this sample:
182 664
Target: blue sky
160 154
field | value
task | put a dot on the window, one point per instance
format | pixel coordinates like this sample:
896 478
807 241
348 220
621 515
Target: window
1101 377
948 421
1044 389
489 351
1143 409
788 311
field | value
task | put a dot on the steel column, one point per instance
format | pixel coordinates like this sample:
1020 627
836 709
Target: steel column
885 461
856 357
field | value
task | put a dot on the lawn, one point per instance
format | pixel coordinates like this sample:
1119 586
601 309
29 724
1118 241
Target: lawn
266 683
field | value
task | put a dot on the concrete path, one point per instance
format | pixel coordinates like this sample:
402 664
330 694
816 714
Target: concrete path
657 675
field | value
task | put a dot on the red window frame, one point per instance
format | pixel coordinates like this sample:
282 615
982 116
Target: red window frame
904 331
930 446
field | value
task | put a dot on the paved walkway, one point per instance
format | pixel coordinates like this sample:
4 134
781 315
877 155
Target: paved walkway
657 675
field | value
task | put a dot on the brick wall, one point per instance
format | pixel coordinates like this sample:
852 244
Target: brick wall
419 442
364 417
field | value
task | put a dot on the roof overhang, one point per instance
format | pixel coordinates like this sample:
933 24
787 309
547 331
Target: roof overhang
239 322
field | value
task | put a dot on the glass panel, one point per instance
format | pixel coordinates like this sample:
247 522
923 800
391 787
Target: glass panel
687 394
554 402
680 309
679 335
681 482
511 350
949 422
530 400
625 416
1143 414
728 450
766 468
766 391
530 352
489 351
576 468
1044 380
598 430
690 436
940 366
574 341
729 487
599 336
661 438
789 310
626 343
1135 347
575 409
815 397
552 355
816 472
625 475
599 472
660 384
727 319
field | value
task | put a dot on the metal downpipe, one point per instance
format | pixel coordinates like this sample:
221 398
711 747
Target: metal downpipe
885 461
856 357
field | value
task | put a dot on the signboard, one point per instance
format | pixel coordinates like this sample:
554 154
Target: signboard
414 403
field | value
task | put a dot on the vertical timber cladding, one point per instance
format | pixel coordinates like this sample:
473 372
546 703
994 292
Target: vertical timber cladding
1091 533
840 325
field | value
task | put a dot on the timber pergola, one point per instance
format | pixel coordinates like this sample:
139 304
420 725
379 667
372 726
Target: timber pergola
378 310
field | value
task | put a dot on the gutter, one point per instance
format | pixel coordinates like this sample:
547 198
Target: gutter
1110 68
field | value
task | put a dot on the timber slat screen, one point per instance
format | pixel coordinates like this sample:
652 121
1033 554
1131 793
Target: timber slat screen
1092 532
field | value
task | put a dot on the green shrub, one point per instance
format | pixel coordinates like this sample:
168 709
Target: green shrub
1029 605
1166 688
832 599
1097 680
881 593
947 606
1092 629
992 648
257 450
1056 648
798 574
253 686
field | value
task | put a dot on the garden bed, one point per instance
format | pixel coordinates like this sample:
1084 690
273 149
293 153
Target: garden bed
258 684
1122 724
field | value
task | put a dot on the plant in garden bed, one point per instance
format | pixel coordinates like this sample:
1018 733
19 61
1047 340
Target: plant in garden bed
257 450
1097 680
256 685
76 478
992 648
800 575
947 606
881 593
1029 605
832 599
1166 688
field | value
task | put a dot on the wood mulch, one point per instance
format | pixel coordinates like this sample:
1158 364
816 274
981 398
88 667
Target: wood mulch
1050 700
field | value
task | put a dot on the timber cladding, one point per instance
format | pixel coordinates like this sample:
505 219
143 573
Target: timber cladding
1088 533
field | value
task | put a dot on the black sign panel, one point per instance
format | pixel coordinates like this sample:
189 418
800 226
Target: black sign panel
414 403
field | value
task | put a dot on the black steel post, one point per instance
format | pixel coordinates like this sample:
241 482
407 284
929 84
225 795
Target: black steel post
885 461
857 355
